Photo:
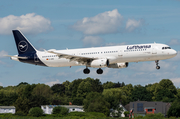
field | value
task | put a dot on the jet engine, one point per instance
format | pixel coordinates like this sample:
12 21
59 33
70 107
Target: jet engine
99 63
118 65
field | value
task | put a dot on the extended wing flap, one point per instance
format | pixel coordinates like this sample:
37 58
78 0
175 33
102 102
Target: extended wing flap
80 59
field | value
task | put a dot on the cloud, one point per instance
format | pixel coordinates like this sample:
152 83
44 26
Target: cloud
1 84
79 70
176 81
177 57
3 54
151 66
92 41
103 23
174 42
29 24
133 24
115 44
53 82
62 74
144 66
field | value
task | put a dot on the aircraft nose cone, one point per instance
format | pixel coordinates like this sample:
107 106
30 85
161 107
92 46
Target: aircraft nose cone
174 52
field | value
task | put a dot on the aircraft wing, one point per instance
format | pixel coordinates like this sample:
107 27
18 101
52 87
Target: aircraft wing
80 59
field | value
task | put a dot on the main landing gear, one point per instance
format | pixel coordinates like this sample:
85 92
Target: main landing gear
99 71
157 62
87 71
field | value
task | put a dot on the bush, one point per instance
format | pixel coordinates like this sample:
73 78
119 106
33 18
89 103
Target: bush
138 117
64 111
20 113
86 114
80 114
60 110
173 118
156 116
36 112
6 115
126 113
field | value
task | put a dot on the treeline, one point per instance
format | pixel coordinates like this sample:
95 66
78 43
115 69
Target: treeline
91 93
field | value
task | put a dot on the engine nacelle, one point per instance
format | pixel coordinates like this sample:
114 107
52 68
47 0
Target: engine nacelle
119 65
99 63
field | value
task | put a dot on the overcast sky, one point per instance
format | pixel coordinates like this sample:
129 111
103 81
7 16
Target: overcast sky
72 24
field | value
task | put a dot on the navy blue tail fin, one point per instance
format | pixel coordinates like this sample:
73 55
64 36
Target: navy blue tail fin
23 45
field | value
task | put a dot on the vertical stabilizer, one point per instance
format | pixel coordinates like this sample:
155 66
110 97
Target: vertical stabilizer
23 45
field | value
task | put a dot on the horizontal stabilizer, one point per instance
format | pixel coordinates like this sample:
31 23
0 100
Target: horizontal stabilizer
16 57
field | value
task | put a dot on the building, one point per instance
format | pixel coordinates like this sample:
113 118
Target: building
145 107
7 109
72 108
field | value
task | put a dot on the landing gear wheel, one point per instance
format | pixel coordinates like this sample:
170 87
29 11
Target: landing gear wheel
157 67
157 62
86 71
99 71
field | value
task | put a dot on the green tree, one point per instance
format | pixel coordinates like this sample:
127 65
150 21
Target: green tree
117 85
168 84
68 93
7 98
42 90
114 96
22 105
140 93
174 109
74 87
89 85
22 83
58 89
165 96
178 94
84 88
95 102
165 85
128 89
108 85
41 95
78 101
27 92
151 89
96 84
123 84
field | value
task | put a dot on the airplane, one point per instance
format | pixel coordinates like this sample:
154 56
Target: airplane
98 57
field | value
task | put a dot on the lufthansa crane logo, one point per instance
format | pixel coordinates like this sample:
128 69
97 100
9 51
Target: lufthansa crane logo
22 46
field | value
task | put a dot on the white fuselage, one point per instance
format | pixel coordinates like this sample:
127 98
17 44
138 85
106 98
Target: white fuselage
115 54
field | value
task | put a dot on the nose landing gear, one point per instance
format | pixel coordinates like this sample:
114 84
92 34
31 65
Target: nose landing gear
157 62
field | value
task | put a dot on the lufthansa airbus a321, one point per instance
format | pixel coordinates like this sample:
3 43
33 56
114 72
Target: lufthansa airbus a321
99 57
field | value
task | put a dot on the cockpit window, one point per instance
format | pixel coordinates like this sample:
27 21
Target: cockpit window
166 48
